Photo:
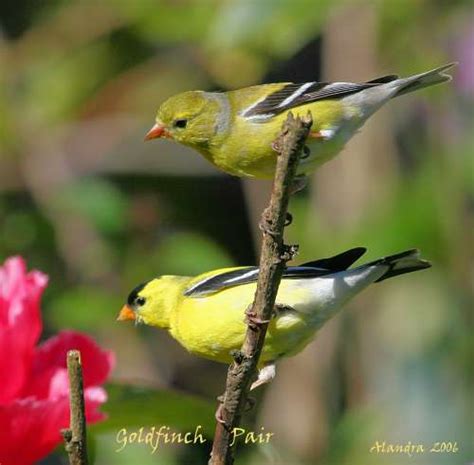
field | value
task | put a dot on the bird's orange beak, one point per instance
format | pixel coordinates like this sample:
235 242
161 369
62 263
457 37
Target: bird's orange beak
158 130
126 314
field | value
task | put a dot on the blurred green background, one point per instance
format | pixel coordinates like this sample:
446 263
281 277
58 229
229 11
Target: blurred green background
85 200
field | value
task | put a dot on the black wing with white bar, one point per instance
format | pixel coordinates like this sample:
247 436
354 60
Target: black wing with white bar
247 275
293 95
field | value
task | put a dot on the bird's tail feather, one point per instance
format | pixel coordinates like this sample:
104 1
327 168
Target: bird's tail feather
401 263
418 81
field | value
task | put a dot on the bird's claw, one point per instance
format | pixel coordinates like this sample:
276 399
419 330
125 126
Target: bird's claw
298 184
265 225
306 152
277 143
276 146
253 320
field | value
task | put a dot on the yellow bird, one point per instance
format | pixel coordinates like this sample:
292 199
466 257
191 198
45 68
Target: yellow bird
206 313
235 130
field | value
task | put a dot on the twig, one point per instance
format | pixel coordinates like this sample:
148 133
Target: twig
273 258
75 436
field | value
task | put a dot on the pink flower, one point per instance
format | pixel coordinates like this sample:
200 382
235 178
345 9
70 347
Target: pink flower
34 404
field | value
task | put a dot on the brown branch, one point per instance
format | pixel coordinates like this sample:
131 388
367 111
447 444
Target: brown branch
273 258
75 436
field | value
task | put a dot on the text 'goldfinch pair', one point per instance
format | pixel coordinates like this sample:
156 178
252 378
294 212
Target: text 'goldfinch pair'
235 130
206 313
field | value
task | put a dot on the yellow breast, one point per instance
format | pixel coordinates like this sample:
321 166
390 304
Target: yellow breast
247 150
212 326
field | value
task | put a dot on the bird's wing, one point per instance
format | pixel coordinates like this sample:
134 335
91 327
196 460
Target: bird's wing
401 263
246 275
292 95
339 262
217 282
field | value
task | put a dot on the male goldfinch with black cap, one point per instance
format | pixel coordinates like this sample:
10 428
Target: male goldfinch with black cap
206 314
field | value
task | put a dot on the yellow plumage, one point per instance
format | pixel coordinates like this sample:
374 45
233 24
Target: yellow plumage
206 313
212 326
235 130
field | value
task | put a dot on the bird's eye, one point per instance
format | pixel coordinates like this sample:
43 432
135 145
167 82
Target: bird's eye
140 301
180 123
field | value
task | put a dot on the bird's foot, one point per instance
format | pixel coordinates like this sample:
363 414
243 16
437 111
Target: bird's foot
306 152
298 184
253 320
277 144
265 375
266 225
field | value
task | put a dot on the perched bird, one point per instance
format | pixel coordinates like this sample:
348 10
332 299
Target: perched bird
206 314
235 130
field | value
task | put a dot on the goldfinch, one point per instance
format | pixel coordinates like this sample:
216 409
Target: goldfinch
206 313
235 130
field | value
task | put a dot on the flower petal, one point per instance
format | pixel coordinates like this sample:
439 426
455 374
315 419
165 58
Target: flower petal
20 323
30 429
48 377
34 392
17 285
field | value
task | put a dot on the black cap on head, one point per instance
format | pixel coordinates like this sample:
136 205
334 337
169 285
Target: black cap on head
134 294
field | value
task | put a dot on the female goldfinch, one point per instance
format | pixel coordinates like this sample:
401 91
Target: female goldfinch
206 313
235 130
